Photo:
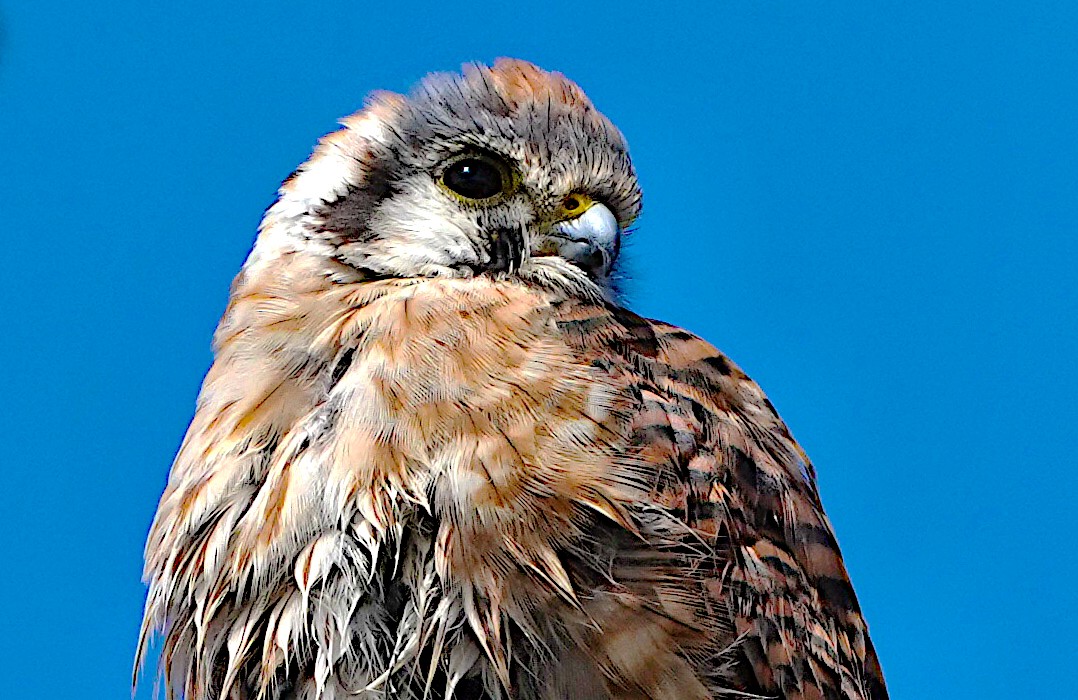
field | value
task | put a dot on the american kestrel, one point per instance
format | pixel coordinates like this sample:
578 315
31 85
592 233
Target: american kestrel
435 457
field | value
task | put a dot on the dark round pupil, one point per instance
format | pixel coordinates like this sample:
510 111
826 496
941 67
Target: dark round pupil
473 178
572 203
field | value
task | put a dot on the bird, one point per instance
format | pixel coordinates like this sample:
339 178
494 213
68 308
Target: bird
436 456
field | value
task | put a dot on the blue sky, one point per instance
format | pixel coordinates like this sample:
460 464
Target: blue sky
872 209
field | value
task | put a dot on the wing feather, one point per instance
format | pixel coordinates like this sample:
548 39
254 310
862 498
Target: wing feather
721 460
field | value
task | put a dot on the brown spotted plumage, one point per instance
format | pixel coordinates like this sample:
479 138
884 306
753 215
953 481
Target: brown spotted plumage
435 457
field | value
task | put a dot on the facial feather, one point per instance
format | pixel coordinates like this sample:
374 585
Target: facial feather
369 196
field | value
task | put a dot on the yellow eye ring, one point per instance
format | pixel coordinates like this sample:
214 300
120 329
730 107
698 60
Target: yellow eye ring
574 205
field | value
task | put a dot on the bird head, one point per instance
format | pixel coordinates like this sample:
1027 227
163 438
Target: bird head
505 171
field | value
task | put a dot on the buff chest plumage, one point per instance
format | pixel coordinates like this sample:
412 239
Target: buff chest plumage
434 456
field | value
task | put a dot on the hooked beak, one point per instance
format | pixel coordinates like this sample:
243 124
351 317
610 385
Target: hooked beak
591 240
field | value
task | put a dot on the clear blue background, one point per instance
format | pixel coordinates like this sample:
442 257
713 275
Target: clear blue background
873 207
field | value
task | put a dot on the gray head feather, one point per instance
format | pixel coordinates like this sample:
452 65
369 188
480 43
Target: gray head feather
370 195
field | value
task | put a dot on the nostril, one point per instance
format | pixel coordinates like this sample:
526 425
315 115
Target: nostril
595 260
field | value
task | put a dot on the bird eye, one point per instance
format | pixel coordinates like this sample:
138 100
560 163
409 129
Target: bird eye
476 177
574 205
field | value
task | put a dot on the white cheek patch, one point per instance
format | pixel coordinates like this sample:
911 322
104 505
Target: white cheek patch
332 168
325 178
420 227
